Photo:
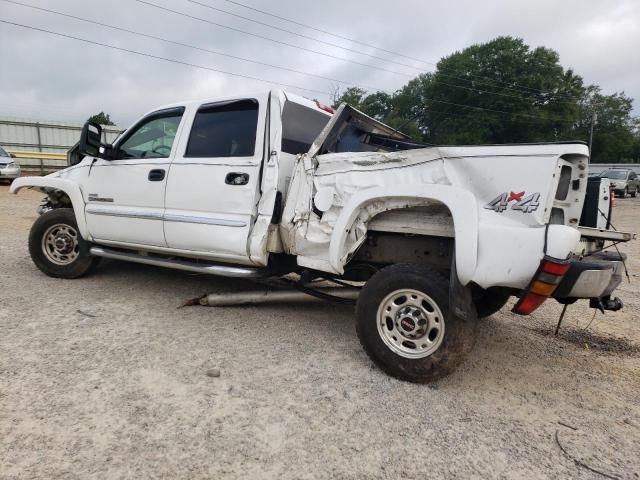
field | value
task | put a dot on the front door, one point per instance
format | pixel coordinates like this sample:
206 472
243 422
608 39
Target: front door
125 196
212 189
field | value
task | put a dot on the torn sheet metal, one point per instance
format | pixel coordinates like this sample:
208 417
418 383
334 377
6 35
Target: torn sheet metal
321 186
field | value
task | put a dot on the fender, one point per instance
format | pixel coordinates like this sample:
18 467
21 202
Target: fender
72 189
364 205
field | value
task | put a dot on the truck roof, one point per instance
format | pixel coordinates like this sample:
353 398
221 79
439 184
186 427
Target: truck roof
263 95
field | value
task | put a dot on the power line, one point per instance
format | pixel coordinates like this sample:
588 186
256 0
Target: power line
186 45
273 39
210 7
180 62
157 57
257 62
291 32
316 51
391 52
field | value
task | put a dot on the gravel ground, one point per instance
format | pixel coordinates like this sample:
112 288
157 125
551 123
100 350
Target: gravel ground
104 377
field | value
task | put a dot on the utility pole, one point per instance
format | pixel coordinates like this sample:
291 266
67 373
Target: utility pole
594 118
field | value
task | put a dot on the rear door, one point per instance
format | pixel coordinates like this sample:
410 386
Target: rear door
213 184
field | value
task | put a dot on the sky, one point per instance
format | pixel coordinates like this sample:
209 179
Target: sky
47 77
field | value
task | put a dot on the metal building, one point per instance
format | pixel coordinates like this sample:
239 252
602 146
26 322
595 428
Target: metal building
43 145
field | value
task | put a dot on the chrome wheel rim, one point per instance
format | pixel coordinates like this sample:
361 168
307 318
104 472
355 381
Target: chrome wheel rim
60 244
410 323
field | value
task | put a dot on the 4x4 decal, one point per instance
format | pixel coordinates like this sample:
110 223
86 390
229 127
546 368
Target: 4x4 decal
527 204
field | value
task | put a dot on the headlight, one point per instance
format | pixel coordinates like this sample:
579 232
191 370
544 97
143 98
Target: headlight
12 165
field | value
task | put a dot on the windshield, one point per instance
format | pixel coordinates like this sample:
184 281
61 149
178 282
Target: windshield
3 152
615 174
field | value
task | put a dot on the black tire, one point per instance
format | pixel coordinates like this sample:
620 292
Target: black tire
82 262
635 193
456 342
488 302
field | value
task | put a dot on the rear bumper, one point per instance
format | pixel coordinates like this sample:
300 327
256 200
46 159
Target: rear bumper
595 276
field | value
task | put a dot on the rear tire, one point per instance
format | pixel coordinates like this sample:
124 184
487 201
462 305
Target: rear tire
57 248
635 193
405 325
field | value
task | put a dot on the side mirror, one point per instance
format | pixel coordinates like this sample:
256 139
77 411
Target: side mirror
12 155
90 139
90 142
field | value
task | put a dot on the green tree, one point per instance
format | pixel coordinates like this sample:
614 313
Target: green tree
101 119
498 92
352 96
615 137
504 91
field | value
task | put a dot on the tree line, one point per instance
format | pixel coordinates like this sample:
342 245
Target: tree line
504 91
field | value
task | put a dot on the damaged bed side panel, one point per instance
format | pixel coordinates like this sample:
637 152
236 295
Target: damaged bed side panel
330 203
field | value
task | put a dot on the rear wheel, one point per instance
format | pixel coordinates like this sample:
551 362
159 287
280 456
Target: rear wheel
635 193
56 246
405 325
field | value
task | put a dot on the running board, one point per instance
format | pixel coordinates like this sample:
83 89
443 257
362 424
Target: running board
186 265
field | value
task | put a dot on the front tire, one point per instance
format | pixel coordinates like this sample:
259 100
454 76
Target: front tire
405 325
57 248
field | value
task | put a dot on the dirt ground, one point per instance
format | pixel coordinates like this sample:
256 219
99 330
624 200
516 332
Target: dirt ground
104 377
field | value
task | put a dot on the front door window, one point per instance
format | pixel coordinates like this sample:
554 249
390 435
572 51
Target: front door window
153 138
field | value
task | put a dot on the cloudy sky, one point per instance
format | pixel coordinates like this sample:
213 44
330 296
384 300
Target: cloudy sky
48 77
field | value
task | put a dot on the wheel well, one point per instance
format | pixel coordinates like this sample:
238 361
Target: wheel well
421 234
58 199
385 248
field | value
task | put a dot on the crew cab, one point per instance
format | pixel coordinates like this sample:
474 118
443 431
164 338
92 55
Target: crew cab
273 184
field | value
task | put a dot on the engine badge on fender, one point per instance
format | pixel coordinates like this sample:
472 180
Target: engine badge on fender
527 204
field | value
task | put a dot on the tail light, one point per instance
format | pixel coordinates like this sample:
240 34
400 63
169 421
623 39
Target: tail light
549 274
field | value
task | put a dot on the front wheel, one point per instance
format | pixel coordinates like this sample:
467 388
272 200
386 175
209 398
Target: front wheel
56 246
405 325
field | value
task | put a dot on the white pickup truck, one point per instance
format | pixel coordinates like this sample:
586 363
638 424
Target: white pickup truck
273 184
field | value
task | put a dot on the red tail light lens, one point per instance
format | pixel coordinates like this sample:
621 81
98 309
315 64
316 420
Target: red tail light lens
554 268
529 303
543 284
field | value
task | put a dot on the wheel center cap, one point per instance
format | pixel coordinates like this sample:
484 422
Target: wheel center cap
408 324
62 243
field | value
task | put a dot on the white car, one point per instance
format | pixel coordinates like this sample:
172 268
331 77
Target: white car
9 168
271 184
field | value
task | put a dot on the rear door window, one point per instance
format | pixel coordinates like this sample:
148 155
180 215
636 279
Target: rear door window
224 129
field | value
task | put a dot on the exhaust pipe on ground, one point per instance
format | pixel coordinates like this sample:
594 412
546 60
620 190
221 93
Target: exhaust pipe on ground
273 296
